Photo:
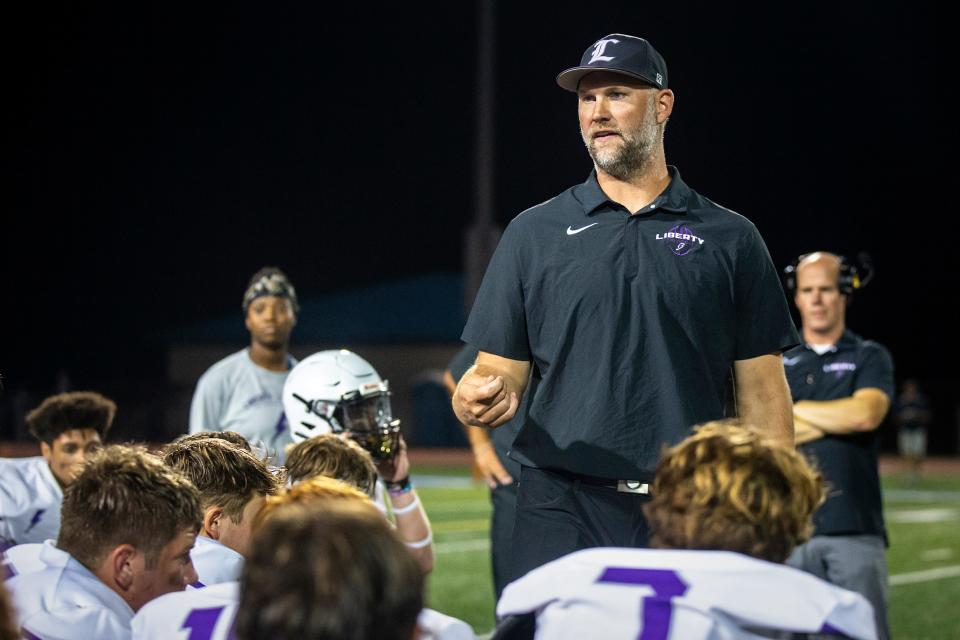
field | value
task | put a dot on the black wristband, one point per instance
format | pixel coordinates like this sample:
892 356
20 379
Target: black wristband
399 487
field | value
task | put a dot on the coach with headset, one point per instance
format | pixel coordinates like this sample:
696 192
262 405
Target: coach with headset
842 386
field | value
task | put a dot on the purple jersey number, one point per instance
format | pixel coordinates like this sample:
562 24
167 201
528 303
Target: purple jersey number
201 623
657 609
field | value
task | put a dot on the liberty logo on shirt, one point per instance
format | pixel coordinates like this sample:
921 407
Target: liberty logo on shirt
681 239
839 368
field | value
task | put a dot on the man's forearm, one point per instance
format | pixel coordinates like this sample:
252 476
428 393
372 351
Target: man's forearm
854 414
770 411
514 383
763 397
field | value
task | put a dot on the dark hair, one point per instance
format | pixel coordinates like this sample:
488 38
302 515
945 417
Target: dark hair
725 488
336 571
125 495
230 436
226 476
8 620
74 410
334 457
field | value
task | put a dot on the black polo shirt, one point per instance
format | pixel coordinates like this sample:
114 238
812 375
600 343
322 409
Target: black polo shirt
848 462
632 322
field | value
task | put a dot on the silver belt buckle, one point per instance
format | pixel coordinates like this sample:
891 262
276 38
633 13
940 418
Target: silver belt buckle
633 486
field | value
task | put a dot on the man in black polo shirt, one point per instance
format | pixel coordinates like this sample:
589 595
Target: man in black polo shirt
630 297
842 386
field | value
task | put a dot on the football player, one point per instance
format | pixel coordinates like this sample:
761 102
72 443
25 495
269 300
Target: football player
232 484
128 525
727 510
69 426
209 612
339 392
331 456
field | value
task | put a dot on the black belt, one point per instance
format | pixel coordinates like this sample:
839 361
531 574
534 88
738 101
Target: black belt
641 487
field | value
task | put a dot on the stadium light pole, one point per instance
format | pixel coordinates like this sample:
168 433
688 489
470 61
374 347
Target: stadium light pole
483 233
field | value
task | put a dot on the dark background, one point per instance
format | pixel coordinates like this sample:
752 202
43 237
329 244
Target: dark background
158 154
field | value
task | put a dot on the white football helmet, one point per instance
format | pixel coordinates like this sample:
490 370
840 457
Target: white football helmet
337 391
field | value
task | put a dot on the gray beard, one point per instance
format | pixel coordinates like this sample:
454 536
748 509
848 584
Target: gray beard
633 157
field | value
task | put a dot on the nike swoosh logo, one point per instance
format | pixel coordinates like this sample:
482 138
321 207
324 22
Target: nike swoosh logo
791 361
571 231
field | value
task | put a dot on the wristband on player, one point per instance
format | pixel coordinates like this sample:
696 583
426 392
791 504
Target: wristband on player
420 544
399 511
399 487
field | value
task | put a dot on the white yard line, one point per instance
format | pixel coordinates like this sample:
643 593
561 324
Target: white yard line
936 554
922 515
925 576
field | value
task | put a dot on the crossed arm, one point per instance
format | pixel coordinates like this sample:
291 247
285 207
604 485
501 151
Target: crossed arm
859 413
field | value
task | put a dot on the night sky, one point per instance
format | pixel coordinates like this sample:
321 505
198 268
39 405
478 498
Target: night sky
159 154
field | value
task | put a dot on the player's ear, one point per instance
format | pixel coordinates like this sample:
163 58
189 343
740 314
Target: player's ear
46 451
212 518
664 105
121 565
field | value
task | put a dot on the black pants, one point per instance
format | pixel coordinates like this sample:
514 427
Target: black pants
558 514
504 501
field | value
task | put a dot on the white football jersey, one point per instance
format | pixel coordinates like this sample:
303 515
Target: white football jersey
214 562
680 595
65 601
30 499
438 626
195 614
25 558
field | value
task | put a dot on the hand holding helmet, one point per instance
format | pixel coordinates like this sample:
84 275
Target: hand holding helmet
337 391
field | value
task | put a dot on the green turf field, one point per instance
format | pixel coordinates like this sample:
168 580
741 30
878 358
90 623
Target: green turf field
924 557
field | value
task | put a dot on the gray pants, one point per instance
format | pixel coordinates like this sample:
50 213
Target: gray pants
854 562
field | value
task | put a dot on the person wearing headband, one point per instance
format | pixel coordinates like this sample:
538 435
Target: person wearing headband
242 392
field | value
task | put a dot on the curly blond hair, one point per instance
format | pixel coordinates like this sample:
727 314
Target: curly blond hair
726 488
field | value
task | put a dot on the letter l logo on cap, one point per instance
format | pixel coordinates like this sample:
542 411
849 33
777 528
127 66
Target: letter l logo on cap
598 49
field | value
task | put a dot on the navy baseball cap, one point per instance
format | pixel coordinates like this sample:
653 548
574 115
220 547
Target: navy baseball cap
619 53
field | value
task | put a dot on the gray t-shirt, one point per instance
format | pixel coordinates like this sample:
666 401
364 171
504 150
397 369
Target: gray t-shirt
237 395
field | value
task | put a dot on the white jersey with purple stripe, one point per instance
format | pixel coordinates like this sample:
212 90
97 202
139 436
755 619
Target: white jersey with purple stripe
30 499
659 594
214 562
25 558
236 394
65 601
195 614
